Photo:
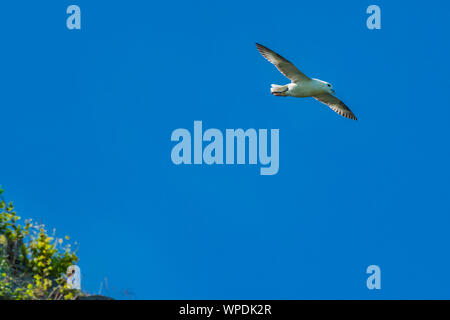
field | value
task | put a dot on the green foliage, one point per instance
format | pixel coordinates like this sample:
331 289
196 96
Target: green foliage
32 263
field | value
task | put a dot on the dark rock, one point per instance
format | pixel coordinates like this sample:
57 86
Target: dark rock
94 297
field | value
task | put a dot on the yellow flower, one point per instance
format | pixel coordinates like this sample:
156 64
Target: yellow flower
3 240
68 296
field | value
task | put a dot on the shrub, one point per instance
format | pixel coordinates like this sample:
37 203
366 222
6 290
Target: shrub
32 263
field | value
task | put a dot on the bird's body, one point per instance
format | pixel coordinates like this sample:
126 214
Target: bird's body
302 86
304 89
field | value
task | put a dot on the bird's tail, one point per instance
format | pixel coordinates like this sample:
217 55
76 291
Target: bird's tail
279 91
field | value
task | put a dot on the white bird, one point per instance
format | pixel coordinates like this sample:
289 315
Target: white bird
302 86
74 277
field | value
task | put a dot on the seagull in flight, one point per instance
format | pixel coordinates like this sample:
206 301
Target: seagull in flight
302 86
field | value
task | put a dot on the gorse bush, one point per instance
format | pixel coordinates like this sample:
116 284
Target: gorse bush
32 263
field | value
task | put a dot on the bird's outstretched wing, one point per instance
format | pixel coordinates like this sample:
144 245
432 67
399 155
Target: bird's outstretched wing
336 105
283 65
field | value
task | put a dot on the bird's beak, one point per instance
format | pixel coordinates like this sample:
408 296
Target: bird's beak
333 92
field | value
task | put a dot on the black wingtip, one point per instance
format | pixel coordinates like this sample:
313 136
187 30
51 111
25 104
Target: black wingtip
262 49
259 45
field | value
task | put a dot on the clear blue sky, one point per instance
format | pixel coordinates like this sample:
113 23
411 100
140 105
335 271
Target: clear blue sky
87 117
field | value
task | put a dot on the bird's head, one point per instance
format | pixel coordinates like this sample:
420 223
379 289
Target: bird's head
326 86
329 87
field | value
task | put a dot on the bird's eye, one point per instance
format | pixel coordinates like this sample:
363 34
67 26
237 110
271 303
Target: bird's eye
329 85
